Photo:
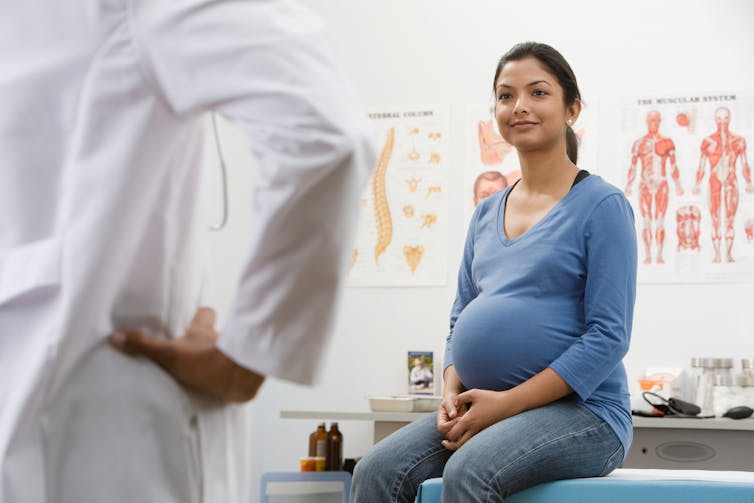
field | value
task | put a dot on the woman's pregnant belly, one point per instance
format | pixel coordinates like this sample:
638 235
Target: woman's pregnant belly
499 342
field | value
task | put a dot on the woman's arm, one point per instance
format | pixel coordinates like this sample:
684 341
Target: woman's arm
448 413
609 295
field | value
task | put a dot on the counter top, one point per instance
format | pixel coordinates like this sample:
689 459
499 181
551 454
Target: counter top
639 422
352 416
722 423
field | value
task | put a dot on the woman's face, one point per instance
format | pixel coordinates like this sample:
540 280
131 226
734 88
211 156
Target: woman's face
529 106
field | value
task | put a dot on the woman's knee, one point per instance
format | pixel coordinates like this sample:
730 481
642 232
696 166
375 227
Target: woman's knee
463 467
370 467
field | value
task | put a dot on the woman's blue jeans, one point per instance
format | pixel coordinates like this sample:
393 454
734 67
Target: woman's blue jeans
562 440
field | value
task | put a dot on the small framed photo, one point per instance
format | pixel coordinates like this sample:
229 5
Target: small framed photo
421 380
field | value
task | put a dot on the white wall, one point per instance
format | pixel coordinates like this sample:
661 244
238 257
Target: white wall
422 52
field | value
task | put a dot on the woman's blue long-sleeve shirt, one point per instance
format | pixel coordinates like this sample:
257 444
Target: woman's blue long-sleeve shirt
561 295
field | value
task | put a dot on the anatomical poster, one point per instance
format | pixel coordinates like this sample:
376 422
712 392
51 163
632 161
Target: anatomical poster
685 168
491 163
402 238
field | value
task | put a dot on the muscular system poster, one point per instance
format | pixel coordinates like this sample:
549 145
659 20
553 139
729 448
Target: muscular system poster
402 238
686 170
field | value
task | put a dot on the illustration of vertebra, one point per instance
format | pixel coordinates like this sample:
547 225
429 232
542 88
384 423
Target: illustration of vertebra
414 131
413 256
434 158
408 210
434 189
749 229
413 183
428 220
414 155
434 136
354 256
381 210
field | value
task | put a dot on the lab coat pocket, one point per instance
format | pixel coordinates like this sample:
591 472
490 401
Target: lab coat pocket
29 268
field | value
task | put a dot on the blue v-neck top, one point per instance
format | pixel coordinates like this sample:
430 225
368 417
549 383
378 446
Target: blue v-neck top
560 295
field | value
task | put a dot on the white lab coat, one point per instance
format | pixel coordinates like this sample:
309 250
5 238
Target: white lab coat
102 107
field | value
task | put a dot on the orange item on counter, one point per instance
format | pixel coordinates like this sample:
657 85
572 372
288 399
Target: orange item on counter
308 464
320 463
649 384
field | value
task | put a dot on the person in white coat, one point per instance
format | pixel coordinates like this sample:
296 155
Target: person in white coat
102 111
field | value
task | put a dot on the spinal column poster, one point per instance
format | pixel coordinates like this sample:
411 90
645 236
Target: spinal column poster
491 163
687 174
403 231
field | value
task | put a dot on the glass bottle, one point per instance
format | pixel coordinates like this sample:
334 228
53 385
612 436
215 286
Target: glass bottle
726 394
711 367
747 366
726 366
691 383
334 448
706 381
318 442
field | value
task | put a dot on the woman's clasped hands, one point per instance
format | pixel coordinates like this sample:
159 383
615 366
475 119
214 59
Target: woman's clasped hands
463 415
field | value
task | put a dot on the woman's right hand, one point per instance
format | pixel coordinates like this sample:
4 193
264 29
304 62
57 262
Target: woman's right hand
448 414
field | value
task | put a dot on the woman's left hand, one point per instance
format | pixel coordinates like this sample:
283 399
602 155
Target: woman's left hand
484 409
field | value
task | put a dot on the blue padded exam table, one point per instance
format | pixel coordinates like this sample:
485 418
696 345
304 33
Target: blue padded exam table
630 486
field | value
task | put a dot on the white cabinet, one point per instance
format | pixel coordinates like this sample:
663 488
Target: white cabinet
692 444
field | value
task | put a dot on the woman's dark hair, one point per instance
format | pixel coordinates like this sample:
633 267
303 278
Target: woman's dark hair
556 65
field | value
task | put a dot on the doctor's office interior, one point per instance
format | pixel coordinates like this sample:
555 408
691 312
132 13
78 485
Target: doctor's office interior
424 71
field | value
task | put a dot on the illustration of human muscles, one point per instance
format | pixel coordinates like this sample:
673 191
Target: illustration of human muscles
688 219
749 229
413 256
687 119
381 209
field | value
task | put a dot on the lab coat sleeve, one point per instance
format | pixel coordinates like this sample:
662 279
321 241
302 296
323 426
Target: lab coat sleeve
264 66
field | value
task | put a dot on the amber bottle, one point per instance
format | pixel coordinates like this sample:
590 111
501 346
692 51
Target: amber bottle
334 449
318 442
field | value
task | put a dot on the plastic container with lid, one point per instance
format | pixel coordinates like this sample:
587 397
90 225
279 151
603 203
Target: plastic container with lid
711 367
747 382
731 391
